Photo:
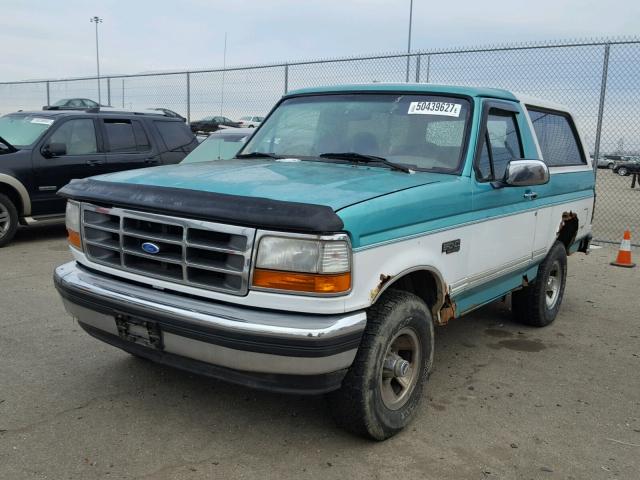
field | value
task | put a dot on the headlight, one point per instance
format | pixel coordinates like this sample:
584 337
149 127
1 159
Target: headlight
303 265
72 221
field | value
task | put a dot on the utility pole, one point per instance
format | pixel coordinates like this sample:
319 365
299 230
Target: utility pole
409 39
97 20
224 71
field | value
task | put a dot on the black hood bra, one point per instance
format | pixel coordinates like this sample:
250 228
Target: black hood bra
254 212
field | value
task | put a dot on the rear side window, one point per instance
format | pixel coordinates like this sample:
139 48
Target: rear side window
175 134
501 144
126 136
557 138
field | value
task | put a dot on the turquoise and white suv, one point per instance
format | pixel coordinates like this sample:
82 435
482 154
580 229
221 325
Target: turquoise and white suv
319 260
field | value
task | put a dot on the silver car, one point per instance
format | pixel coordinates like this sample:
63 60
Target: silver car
606 163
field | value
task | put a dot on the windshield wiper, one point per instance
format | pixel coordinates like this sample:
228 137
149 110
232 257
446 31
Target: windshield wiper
257 155
361 157
10 147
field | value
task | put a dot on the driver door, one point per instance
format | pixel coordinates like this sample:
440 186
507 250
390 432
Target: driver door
503 239
83 157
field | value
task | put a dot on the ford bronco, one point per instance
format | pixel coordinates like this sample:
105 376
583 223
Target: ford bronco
319 259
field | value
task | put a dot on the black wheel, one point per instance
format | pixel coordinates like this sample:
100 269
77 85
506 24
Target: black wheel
623 171
383 388
538 304
8 220
611 165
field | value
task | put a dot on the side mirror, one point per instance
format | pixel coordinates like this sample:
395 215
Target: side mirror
526 173
54 150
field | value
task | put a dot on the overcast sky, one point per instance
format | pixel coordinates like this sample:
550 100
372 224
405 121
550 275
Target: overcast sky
52 39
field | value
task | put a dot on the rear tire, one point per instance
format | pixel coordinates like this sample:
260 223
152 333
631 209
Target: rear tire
8 220
538 304
384 387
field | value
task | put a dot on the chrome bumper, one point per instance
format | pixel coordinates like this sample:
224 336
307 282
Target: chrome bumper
229 338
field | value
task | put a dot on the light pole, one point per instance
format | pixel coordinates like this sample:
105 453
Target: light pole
98 20
409 40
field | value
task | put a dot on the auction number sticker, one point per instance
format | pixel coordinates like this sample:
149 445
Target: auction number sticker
42 121
435 108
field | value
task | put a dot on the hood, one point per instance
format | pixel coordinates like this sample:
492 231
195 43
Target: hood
335 185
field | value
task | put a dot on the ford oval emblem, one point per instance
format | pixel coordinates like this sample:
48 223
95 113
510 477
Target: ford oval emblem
151 248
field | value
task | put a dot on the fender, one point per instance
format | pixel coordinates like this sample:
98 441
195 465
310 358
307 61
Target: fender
22 191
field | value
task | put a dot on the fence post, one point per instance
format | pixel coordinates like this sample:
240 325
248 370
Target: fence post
188 97
286 78
48 97
418 68
603 91
123 93
108 90
428 67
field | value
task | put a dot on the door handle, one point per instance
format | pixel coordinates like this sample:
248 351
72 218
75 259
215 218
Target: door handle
95 162
530 195
151 161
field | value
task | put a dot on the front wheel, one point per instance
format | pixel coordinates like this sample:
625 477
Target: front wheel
623 172
383 388
538 304
8 220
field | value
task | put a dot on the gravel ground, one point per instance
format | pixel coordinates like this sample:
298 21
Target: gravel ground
505 401
617 208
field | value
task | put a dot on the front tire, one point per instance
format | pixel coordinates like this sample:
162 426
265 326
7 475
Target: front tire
538 304
383 388
623 172
8 220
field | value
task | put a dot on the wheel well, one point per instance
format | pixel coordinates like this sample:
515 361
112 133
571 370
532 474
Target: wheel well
423 283
13 195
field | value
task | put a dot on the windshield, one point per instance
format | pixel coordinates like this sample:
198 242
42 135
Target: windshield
423 132
23 130
216 147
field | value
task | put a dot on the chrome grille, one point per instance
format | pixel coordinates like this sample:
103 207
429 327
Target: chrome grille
190 252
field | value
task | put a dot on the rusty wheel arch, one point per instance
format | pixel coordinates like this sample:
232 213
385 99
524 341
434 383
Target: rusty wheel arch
426 282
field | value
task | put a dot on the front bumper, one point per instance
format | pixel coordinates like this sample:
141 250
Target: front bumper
274 350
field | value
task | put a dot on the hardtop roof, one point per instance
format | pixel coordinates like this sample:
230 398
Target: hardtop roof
409 88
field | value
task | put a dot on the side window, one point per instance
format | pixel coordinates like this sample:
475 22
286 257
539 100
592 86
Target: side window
484 161
557 138
79 136
175 134
90 103
501 144
142 141
120 135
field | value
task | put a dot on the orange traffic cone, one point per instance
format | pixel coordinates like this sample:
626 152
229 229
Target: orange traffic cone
624 253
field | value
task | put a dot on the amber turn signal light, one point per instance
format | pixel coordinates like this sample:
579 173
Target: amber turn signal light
74 239
302 282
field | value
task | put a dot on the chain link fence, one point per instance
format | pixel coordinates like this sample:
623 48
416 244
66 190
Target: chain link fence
598 79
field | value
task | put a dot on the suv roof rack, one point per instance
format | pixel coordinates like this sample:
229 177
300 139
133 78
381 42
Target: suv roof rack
103 109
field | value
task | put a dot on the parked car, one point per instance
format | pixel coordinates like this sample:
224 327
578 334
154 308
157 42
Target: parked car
169 113
42 151
73 104
250 121
220 145
604 162
321 257
627 167
213 123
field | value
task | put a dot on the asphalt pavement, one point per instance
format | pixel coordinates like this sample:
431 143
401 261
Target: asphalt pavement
505 401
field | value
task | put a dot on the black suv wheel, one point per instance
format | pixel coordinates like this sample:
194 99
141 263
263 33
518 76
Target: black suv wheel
8 220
